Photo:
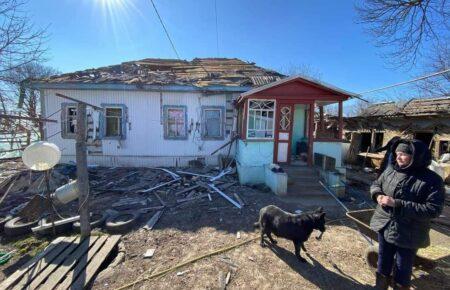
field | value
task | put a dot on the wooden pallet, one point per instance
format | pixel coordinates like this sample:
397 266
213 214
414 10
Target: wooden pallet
67 263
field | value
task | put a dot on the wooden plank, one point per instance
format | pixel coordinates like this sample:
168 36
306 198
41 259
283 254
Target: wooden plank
30 264
187 189
46 265
151 223
68 263
82 263
160 199
95 263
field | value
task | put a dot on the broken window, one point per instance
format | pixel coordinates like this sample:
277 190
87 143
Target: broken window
212 119
68 120
113 122
175 122
260 119
379 137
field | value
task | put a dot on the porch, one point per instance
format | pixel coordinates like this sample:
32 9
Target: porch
283 123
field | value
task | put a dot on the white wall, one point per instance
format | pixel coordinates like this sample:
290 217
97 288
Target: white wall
145 131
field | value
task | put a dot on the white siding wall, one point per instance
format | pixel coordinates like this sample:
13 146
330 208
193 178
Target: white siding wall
145 144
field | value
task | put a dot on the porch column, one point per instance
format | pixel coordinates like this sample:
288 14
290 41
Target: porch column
341 121
310 134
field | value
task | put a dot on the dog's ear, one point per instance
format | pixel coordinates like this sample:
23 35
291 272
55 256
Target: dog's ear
319 210
322 215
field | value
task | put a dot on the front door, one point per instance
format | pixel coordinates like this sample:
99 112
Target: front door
283 133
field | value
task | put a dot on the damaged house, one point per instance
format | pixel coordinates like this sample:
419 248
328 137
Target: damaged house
424 119
162 112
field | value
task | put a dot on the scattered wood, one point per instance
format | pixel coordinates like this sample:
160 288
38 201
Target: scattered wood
160 199
239 199
191 198
236 204
226 185
187 189
147 209
154 219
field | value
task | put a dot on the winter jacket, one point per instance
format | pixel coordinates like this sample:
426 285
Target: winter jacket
419 196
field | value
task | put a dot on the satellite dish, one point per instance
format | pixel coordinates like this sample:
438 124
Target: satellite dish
41 156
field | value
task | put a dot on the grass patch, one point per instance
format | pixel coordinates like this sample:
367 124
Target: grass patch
31 245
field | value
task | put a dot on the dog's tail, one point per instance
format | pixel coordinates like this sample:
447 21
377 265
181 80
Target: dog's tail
257 225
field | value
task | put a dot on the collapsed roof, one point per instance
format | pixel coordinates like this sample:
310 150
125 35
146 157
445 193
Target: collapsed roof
414 107
199 72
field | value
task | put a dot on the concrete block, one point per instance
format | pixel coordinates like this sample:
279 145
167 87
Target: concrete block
276 181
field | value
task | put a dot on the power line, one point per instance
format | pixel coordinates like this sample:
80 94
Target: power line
165 29
406 82
217 29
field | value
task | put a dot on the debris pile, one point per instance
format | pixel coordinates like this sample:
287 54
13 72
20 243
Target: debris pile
115 190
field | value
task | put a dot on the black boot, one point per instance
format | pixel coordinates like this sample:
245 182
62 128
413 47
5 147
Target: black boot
400 287
382 282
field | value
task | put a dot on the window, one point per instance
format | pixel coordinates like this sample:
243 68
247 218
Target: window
260 119
212 120
175 122
68 120
113 122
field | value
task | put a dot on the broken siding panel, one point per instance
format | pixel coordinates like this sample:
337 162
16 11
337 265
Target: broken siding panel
145 133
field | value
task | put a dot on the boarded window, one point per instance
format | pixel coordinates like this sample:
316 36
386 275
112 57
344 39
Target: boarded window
212 122
113 122
260 119
175 122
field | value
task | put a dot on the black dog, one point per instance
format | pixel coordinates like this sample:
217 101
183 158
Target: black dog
295 227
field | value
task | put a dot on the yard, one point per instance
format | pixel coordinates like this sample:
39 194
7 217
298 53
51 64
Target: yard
199 227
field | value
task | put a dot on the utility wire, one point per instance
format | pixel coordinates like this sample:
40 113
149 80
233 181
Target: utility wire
406 82
217 29
170 39
165 29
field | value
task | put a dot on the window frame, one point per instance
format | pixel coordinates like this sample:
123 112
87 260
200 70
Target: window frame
221 109
123 125
166 109
248 119
65 134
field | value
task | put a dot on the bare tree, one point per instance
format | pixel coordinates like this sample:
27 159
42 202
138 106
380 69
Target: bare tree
406 27
303 70
20 44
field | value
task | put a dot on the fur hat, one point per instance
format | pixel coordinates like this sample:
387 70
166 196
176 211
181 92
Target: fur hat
404 148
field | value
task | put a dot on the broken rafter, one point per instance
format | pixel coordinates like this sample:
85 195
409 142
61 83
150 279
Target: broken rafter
78 101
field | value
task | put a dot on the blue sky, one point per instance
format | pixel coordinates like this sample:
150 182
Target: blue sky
274 34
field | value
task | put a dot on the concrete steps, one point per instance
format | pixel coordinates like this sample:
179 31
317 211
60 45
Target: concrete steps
305 191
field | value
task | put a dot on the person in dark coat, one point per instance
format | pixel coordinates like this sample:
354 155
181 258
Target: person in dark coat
387 155
409 195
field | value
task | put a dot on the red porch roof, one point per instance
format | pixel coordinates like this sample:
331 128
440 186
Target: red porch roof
299 88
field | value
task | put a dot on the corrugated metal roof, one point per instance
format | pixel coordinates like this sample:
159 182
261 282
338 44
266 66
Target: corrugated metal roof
200 72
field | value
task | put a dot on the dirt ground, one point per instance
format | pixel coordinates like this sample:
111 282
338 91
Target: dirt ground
335 262
202 226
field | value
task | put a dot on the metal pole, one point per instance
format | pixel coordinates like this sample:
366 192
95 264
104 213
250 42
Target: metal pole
49 201
82 171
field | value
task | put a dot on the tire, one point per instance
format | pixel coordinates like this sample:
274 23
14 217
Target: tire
98 219
121 222
3 221
372 257
59 229
15 227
